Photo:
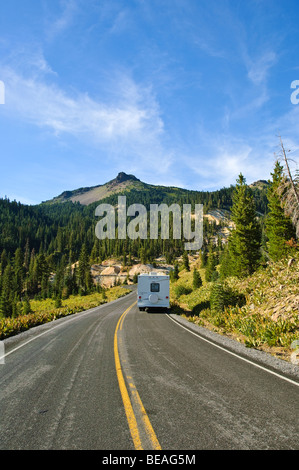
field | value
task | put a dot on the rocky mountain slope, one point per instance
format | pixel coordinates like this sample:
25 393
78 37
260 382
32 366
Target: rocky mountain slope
88 195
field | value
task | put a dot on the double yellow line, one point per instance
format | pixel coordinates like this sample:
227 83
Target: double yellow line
147 429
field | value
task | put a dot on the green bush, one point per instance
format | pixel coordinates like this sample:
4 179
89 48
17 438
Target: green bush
181 290
223 296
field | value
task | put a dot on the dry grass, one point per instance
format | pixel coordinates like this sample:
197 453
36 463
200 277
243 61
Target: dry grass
44 311
268 319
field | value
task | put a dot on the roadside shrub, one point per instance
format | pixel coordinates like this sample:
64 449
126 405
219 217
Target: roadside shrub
223 296
180 289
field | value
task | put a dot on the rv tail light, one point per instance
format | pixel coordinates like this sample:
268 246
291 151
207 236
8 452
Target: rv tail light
166 296
140 297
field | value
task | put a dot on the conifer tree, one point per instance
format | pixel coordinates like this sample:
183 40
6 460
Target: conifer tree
225 266
26 307
203 256
186 261
6 299
279 228
175 272
210 266
84 276
245 239
19 272
27 256
197 281
3 261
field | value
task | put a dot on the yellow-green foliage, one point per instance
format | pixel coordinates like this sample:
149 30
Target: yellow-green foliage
269 317
44 311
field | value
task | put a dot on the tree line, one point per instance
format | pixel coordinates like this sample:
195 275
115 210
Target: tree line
255 239
46 251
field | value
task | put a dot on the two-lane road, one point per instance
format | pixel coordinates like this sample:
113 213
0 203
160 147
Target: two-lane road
116 378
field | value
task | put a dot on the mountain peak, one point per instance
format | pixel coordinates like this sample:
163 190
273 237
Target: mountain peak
122 176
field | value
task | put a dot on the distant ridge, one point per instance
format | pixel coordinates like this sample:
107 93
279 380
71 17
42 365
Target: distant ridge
88 195
138 191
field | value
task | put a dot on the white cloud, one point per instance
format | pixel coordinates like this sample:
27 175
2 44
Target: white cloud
64 21
126 126
48 106
223 158
258 68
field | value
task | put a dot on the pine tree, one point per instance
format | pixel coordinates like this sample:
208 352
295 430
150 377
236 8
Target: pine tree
6 298
225 267
26 307
186 261
19 272
245 239
197 281
27 256
203 257
210 271
279 228
175 272
84 276
3 261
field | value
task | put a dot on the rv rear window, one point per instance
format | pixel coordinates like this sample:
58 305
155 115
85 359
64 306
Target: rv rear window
155 287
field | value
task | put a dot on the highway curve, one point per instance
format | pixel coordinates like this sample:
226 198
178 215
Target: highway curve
115 378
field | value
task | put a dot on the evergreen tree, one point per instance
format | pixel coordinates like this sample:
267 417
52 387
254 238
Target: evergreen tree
197 281
186 261
19 272
142 255
225 266
58 301
210 271
6 299
245 239
3 261
70 282
175 272
26 307
279 228
203 257
16 306
84 275
27 256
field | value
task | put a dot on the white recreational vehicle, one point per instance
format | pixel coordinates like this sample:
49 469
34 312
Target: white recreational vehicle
153 291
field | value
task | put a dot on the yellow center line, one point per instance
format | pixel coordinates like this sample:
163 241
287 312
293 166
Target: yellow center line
123 390
131 418
147 424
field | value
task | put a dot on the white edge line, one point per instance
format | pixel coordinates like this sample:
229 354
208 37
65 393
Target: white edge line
234 354
74 316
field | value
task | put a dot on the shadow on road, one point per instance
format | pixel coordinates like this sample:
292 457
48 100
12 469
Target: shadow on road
155 310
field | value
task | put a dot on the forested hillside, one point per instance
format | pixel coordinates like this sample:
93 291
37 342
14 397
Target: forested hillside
47 250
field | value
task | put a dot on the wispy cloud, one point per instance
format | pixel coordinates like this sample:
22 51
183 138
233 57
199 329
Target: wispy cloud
258 68
127 124
46 105
69 8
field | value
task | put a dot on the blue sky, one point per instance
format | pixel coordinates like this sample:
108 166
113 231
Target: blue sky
186 93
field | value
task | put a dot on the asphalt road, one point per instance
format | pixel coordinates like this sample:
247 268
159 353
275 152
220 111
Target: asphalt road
116 378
